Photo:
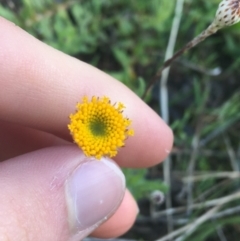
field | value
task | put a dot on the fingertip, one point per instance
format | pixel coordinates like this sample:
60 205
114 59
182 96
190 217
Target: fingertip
121 221
151 143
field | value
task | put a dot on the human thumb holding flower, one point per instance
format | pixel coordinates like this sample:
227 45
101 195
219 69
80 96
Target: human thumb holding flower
50 188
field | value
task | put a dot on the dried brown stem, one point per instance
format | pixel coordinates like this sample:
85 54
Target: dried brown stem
202 36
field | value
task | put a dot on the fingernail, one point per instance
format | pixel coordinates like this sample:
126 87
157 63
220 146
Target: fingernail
94 191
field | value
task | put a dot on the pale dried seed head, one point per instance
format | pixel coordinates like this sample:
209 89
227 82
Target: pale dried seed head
228 13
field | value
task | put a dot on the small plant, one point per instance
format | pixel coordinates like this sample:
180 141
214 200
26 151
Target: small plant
127 39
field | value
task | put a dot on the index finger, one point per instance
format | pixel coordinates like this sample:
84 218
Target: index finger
40 87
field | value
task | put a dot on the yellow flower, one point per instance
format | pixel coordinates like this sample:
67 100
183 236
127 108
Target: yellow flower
99 128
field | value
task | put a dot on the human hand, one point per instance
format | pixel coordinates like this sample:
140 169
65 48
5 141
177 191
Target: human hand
53 192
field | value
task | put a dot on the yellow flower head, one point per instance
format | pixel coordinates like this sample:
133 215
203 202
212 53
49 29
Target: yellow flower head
99 128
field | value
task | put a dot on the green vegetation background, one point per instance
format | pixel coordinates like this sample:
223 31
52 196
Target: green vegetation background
127 39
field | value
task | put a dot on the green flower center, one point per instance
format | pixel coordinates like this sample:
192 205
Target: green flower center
98 128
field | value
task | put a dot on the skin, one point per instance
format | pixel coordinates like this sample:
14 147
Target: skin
40 87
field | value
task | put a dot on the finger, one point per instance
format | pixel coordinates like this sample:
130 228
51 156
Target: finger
40 87
57 194
16 140
121 221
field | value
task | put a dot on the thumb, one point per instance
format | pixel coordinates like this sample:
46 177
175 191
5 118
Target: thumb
57 194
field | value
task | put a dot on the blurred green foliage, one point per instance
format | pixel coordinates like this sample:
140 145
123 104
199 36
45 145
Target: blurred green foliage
93 27
139 185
